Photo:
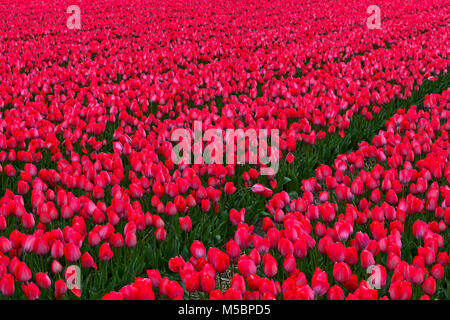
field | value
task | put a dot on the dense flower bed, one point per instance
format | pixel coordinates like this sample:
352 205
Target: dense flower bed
88 178
383 208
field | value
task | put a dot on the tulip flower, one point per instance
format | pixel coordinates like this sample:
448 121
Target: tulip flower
56 266
43 280
32 291
185 223
7 285
319 282
105 252
60 289
341 272
400 290
22 273
72 252
87 261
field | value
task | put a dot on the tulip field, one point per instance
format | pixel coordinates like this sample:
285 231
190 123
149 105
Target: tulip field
352 112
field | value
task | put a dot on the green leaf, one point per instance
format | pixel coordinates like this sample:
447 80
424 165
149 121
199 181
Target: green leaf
286 180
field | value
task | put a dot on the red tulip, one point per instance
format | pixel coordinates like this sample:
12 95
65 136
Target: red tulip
437 271
22 187
130 239
237 217
160 232
41 246
289 263
229 188
206 205
367 259
300 248
185 223
335 293
233 249
414 274
207 282
7 285
105 252
174 290
43 280
56 266
22 273
341 272
429 286
285 247
117 240
246 266
400 290
336 251
177 265
319 282
87 261
221 262
242 237
270 265
31 291
5 245
60 289
72 252
191 281
255 256
57 250
155 277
